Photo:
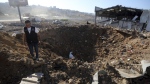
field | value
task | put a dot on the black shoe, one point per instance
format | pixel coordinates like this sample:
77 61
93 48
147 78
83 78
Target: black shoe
34 58
37 59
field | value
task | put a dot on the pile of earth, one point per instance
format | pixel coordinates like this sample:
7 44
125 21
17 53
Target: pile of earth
101 48
15 61
95 49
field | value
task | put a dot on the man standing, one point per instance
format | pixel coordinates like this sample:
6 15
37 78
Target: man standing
32 38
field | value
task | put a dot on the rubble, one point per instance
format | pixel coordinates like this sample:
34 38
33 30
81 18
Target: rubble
33 78
94 48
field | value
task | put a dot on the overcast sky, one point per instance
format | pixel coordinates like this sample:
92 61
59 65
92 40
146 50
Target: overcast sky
88 5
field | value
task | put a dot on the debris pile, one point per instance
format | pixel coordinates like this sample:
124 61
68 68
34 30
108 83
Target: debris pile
101 50
15 62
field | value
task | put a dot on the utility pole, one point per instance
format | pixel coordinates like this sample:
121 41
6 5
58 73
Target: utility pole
95 18
19 13
18 4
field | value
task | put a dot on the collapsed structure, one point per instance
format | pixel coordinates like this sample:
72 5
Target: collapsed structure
119 12
125 17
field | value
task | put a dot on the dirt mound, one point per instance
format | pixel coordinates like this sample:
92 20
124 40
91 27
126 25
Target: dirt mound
98 46
95 49
65 70
14 60
12 72
87 44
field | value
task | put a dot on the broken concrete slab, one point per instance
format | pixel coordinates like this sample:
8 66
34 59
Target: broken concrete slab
95 78
145 64
128 73
32 79
25 82
38 75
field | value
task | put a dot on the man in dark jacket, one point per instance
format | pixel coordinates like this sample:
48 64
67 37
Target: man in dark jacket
31 38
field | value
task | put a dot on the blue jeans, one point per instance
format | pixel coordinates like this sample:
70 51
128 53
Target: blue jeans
35 46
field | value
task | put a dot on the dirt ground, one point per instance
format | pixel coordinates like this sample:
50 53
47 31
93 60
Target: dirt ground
95 49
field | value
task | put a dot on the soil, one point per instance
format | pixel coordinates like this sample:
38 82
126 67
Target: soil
95 49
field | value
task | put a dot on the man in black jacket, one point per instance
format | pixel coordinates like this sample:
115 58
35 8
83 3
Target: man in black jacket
31 38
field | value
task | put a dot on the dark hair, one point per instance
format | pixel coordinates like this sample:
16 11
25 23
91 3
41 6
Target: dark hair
27 21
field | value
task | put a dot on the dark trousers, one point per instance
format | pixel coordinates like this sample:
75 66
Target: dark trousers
35 46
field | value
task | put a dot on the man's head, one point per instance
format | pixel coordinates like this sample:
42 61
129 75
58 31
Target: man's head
27 23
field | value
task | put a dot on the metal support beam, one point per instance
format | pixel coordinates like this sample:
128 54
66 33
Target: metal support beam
95 18
19 13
